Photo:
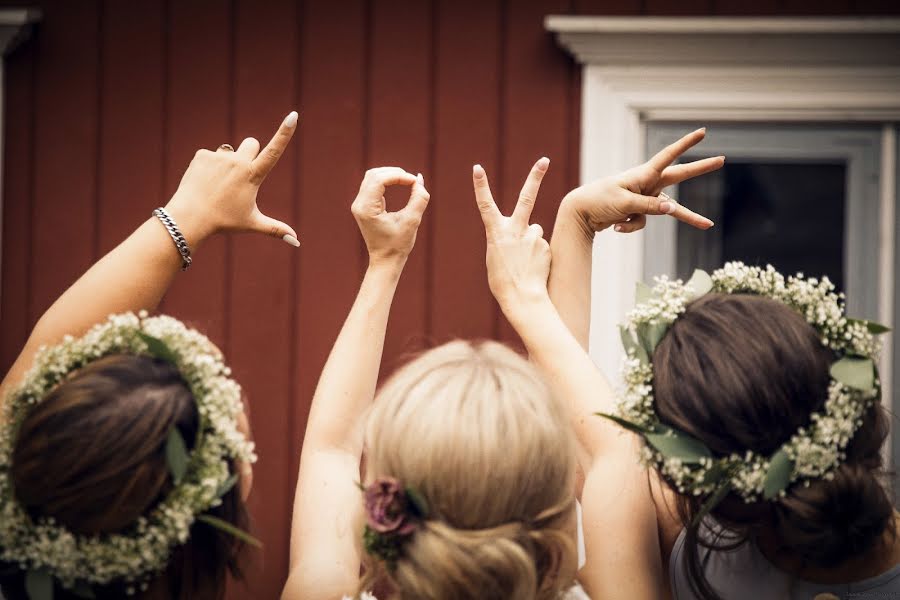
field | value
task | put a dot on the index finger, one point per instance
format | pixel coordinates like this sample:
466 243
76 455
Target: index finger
262 165
490 214
528 195
379 178
670 153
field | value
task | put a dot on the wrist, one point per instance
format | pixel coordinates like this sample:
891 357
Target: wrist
523 306
390 264
194 226
574 214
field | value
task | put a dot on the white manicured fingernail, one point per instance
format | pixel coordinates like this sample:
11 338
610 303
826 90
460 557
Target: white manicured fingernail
543 164
420 180
478 171
291 240
668 204
618 228
291 119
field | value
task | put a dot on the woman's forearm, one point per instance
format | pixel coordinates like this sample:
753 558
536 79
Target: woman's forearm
347 384
133 276
569 284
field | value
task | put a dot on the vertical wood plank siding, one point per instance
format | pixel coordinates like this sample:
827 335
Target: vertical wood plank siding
107 103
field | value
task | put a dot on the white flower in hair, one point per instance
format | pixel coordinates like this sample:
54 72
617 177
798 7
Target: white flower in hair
812 452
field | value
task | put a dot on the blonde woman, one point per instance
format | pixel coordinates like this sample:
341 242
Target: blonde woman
469 467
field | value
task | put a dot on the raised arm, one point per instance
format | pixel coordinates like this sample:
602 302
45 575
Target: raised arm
622 552
326 529
217 193
621 201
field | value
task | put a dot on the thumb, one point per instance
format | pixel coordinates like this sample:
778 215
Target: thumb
265 224
418 198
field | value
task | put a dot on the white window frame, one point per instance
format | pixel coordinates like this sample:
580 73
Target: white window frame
725 69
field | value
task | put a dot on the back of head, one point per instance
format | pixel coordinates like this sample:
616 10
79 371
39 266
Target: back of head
742 372
91 455
473 429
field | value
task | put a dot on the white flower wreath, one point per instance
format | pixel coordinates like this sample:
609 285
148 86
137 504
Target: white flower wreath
45 549
812 452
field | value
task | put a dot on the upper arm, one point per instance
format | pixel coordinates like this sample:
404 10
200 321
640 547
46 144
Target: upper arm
620 531
326 532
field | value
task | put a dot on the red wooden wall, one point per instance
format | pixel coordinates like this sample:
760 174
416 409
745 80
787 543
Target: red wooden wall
106 104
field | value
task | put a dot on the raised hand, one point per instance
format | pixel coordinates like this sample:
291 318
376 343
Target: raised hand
218 191
389 235
518 256
625 199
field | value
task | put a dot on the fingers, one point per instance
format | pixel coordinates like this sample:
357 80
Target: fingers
248 149
378 179
265 161
265 224
670 153
418 199
683 214
536 230
678 173
634 223
490 214
225 148
528 195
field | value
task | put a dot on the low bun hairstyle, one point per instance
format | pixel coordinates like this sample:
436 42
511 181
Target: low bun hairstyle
474 430
742 372
92 456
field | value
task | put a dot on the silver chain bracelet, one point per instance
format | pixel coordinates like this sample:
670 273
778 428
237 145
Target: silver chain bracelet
180 243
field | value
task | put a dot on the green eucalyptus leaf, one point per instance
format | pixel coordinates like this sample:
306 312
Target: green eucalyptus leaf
873 327
642 293
83 590
229 529
631 346
677 444
650 334
625 424
855 372
418 502
176 455
39 585
778 477
158 348
700 283
227 485
712 502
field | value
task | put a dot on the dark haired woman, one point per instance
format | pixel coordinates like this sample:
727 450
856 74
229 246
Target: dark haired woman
757 402
124 458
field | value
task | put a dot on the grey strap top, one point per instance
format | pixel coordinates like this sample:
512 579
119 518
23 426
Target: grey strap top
745 574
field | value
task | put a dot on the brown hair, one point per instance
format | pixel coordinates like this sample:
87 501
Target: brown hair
91 455
742 372
477 433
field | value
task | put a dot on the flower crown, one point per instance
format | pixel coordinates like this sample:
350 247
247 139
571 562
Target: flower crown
48 551
814 451
393 514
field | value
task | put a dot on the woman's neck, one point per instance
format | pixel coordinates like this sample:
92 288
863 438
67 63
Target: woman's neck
882 557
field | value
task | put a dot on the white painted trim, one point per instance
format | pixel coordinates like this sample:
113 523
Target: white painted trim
726 69
732 25
886 262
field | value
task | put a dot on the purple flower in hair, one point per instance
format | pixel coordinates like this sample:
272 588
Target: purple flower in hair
389 508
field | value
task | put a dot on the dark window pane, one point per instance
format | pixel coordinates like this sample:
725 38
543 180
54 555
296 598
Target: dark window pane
790 215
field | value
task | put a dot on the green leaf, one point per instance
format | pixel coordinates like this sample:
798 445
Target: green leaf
632 347
633 427
39 585
650 334
418 502
677 444
858 373
873 327
227 485
779 474
700 282
712 502
229 529
83 590
642 293
176 455
158 348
